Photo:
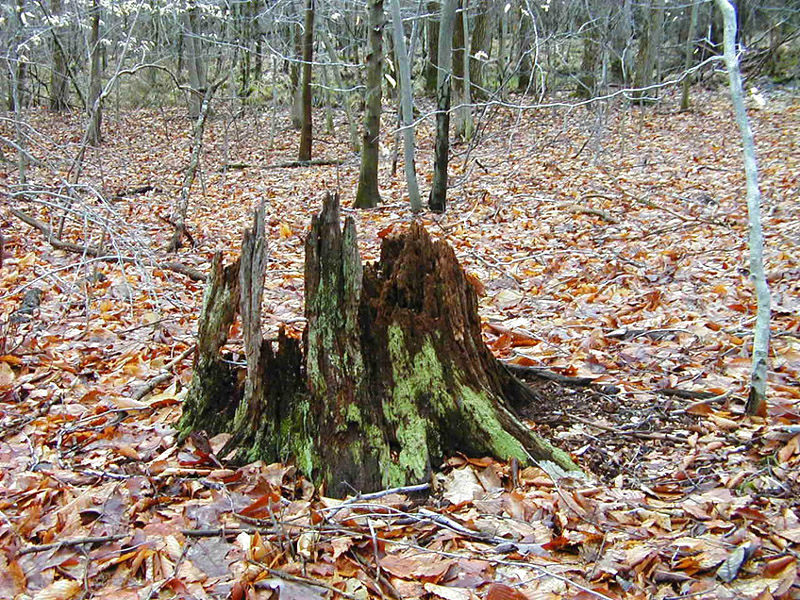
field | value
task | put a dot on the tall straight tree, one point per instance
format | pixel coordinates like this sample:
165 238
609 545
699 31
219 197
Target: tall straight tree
308 57
479 46
689 55
195 64
466 124
95 87
649 47
757 399
432 47
367 195
59 92
407 105
437 201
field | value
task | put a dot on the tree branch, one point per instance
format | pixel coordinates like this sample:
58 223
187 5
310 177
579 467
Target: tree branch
60 244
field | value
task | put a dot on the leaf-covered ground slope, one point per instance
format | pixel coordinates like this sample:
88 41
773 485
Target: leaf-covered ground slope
606 244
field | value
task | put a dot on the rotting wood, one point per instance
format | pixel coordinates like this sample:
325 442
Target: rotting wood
391 377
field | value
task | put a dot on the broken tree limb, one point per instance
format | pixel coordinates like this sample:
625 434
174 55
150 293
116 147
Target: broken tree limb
319 162
94 252
164 376
182 205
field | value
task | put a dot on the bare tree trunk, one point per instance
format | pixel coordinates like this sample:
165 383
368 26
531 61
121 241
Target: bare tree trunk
182 205
22 154
308 57
333 57
59 90
437 201
15 75
757 399
432 43
296 77
481 42
587 79
407 105
620 43
457 79
525 63
649 47
689 55
367 195
258 63
503 50
95 88
464 122
195 64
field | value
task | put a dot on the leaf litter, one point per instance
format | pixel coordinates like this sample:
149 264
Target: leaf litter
615 256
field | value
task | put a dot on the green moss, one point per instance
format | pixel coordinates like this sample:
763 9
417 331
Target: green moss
352 414
414 380
258 451
421 379
295 439
501 443
301 439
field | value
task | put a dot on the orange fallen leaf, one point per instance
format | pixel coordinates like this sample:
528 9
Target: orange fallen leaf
501 591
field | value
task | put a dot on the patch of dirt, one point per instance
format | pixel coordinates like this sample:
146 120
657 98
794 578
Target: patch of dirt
612 434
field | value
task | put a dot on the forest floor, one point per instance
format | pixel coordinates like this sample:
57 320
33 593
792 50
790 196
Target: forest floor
606 242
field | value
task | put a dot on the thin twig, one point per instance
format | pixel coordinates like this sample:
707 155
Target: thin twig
70 543
304 580
645 435
96 253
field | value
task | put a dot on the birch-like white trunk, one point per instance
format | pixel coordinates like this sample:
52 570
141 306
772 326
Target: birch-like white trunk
407 105
333 56
757 400
465 123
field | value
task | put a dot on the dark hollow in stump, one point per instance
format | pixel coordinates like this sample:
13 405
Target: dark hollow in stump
391 376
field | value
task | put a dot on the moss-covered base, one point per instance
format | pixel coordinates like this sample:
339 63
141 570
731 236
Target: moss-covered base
392 376
212 399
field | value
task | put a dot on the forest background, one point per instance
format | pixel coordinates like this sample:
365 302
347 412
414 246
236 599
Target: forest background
594 192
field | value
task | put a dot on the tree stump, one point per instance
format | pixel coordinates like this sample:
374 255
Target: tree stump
391 377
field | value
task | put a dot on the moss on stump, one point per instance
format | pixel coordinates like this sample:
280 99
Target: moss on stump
392 375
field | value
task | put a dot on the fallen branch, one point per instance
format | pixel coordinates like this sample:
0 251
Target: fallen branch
70 543
543 373
577 209
219 532
320 162
165 375
60 244
690 394
136 191
298 579
643 435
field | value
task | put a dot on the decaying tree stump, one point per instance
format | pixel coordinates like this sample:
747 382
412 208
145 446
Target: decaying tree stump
391 376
